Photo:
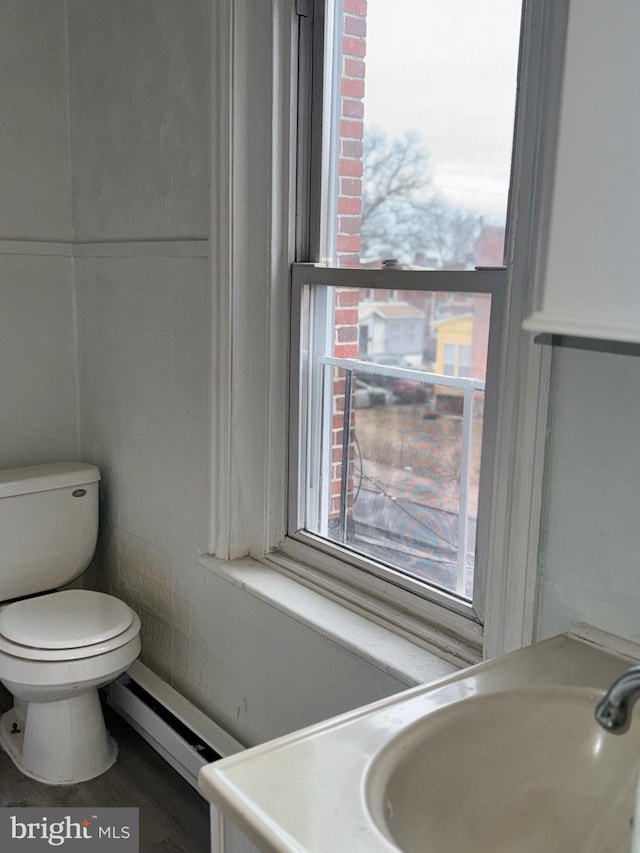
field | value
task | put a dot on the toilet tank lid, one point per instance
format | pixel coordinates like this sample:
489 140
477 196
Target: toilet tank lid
42 478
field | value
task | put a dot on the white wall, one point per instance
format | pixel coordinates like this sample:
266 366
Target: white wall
34 133
261 672
139 131
589 567
37 372
37 375
139 81
591 542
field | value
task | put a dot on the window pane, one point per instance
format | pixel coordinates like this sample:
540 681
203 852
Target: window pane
449 364
394 436
423 111
464 360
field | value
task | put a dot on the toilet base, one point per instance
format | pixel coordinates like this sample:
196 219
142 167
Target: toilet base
59 743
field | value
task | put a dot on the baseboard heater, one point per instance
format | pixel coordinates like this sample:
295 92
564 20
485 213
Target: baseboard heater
185 737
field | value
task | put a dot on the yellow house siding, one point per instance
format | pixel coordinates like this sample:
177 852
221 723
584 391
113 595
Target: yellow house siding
458 331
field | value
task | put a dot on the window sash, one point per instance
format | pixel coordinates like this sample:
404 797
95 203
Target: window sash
303 411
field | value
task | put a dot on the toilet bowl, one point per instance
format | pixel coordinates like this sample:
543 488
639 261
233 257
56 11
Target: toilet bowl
56 650
57 647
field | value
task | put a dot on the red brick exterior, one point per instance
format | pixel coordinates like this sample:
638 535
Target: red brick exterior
349 206
354 49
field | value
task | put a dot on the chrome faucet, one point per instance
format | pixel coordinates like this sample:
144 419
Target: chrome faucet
613 711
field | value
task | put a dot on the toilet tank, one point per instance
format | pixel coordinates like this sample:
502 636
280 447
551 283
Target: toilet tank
48 526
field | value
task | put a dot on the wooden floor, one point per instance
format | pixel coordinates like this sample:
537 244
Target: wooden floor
173 816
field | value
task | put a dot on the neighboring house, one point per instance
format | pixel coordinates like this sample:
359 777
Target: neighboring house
391 328
454 336
454 341
461 349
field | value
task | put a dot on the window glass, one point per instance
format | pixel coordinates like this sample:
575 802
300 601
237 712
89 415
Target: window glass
423 109
395 460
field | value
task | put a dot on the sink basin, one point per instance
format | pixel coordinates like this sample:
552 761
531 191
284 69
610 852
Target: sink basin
521 771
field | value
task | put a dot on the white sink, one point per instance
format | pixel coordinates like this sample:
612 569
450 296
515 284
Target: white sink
527 770
504 757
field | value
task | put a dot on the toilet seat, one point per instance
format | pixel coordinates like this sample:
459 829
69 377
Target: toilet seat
66 625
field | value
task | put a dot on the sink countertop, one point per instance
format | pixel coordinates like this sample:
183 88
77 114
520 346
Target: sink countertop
305 791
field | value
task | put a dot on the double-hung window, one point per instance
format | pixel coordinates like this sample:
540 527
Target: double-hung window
398 301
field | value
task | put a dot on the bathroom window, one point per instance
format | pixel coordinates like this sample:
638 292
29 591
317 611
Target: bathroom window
398 305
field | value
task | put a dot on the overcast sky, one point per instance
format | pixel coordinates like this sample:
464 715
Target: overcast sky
447 69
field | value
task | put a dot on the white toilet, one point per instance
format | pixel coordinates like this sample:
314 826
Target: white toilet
56 648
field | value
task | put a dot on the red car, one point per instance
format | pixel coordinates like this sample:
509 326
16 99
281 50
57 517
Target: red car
411 391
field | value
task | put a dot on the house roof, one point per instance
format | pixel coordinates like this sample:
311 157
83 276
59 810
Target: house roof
390 310
451 318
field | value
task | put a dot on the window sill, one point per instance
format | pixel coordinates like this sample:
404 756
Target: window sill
288 586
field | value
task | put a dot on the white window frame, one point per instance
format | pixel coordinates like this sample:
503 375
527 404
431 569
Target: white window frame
254 132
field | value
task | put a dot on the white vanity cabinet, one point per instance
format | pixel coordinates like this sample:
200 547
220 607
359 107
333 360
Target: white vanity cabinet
588 280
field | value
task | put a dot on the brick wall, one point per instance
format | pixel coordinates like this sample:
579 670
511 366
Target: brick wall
354 48
345 345
349 208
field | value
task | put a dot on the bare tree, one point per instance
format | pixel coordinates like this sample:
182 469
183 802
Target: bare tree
450 231
402 215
